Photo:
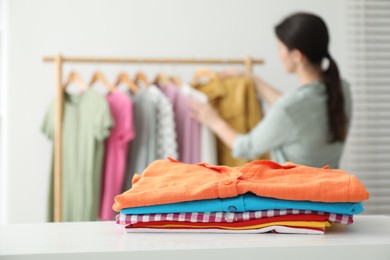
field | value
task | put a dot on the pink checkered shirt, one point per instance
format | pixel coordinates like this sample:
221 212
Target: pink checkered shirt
123 219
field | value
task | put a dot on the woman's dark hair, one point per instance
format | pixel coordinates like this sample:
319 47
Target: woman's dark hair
308 33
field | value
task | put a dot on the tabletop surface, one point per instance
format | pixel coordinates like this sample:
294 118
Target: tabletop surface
104 237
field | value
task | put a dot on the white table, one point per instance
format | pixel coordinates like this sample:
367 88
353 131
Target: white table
368 238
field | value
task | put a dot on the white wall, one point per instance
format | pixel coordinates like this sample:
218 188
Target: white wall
171 28
3 181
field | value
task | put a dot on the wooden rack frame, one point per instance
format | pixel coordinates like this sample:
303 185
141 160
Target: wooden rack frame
59 61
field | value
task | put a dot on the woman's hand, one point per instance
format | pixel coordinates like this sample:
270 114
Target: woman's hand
204 113
207 115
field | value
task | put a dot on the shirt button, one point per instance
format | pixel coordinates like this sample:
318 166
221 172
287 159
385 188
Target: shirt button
227 182
232 209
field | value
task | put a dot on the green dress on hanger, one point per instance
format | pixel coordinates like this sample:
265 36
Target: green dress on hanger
87 122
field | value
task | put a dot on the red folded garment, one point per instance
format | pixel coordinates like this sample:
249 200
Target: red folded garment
240 224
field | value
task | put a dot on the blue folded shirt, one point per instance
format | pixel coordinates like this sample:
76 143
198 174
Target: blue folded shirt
247 202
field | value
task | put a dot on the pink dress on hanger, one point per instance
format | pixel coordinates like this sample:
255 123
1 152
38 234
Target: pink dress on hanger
116 151
188 129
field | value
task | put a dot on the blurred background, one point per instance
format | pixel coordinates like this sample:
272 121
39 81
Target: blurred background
32 29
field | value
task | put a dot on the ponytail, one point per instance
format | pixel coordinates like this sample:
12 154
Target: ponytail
308 33
337 119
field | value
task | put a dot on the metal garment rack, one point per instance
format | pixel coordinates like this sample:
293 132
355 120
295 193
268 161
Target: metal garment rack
60 60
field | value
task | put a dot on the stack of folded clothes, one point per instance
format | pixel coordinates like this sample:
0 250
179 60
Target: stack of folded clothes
261 196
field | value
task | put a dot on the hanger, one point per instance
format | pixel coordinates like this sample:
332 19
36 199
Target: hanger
141 77
75 77
176 80
99 76
124 77
202 76
162 79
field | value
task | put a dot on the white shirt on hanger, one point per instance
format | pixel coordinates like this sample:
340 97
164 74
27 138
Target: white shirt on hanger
208 146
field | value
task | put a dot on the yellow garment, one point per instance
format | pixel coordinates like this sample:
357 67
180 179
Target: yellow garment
235 100
306 224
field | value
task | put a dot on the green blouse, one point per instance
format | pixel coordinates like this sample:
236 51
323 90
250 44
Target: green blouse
296 129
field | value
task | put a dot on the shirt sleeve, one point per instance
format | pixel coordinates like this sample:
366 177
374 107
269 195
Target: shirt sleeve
275 130
103 121
47 126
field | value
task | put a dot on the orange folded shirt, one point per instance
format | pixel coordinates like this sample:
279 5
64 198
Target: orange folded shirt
170 181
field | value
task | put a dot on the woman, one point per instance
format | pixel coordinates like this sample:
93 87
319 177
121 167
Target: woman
308 125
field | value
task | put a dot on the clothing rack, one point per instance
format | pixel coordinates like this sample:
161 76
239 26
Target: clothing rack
60 60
